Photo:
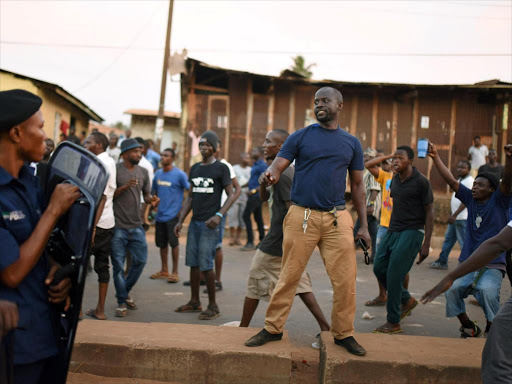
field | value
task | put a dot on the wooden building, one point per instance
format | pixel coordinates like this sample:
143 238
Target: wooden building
242 107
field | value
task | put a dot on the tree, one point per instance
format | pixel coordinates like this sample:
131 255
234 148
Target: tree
299 66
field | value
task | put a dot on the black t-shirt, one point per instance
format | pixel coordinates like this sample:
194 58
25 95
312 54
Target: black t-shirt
496 171
273 241
409 200
207 183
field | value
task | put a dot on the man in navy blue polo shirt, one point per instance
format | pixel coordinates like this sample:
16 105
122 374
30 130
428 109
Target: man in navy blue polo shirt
323 154
25 227
253 205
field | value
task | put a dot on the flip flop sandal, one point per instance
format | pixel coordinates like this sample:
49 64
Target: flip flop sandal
174 278
387 331
189 308
408 311
131 304
91 313
375 303
209 314
121 312
159 275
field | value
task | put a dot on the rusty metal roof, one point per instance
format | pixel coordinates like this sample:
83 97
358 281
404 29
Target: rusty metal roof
152 113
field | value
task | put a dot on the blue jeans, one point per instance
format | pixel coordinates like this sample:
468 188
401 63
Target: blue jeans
201 243
381 232
134 241
222 226
487 292
454 232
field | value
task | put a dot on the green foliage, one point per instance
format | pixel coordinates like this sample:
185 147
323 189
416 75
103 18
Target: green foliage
299 66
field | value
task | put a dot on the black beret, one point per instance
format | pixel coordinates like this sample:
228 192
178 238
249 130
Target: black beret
16 106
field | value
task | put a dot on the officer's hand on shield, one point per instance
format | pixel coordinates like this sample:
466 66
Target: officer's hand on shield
59 292
8 317
62 198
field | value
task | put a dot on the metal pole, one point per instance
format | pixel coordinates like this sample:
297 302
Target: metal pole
159 126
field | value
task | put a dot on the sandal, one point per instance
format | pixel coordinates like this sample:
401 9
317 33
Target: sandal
210 313
130 304
189 307
121 312
174 278
407 312
375 302
92 314
159 275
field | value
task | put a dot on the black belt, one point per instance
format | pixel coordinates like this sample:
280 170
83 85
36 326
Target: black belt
337 208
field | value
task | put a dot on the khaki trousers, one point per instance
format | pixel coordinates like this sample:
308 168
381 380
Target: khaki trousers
336 245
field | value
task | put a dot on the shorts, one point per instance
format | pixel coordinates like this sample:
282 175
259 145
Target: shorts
235 214
222 227
264 274
164 233
101 252
201 242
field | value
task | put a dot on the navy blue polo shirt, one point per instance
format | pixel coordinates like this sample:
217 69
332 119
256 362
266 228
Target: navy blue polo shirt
322 157
257 169
20 208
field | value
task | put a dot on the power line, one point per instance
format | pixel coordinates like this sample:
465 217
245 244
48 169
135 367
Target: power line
265 52
136 36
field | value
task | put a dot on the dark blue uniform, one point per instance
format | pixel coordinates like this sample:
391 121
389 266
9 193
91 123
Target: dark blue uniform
21 208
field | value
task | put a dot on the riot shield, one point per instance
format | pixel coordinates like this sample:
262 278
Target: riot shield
70 240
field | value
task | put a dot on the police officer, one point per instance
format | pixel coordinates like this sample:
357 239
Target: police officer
26 272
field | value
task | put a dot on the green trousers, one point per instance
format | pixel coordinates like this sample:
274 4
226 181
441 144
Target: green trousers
393 260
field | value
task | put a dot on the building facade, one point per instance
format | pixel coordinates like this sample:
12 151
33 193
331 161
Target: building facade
242 107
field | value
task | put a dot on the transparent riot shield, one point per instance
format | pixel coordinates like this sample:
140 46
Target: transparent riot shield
70 241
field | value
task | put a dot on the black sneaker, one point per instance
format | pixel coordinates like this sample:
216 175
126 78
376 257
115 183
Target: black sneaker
474 331
218 287
351 345
263 337
187 283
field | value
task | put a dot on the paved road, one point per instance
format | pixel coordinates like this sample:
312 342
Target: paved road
157 299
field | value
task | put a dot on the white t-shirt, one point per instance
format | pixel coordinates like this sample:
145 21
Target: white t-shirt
114 153
144 163
107 219
510 223
232 175
243 175
478 156
194 148
455 203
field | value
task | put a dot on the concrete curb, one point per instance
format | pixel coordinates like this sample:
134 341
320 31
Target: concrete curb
401 359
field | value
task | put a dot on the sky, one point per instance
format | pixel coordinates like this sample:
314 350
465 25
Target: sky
110 54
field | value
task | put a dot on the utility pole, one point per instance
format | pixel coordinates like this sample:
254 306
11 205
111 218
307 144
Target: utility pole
159 126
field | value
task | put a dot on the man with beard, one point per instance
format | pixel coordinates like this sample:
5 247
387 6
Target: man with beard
129 235
323 154
266 263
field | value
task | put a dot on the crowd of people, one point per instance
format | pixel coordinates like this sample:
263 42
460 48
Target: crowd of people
302 176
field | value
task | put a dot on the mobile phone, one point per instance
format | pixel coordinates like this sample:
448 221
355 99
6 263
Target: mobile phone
422 148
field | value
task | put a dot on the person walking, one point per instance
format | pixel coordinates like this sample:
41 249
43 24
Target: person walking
129 235
323 154
456 229
266 263
253 206
169 184
97 143
412 223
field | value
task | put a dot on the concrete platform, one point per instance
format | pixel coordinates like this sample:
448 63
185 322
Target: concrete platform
178 353
401 359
